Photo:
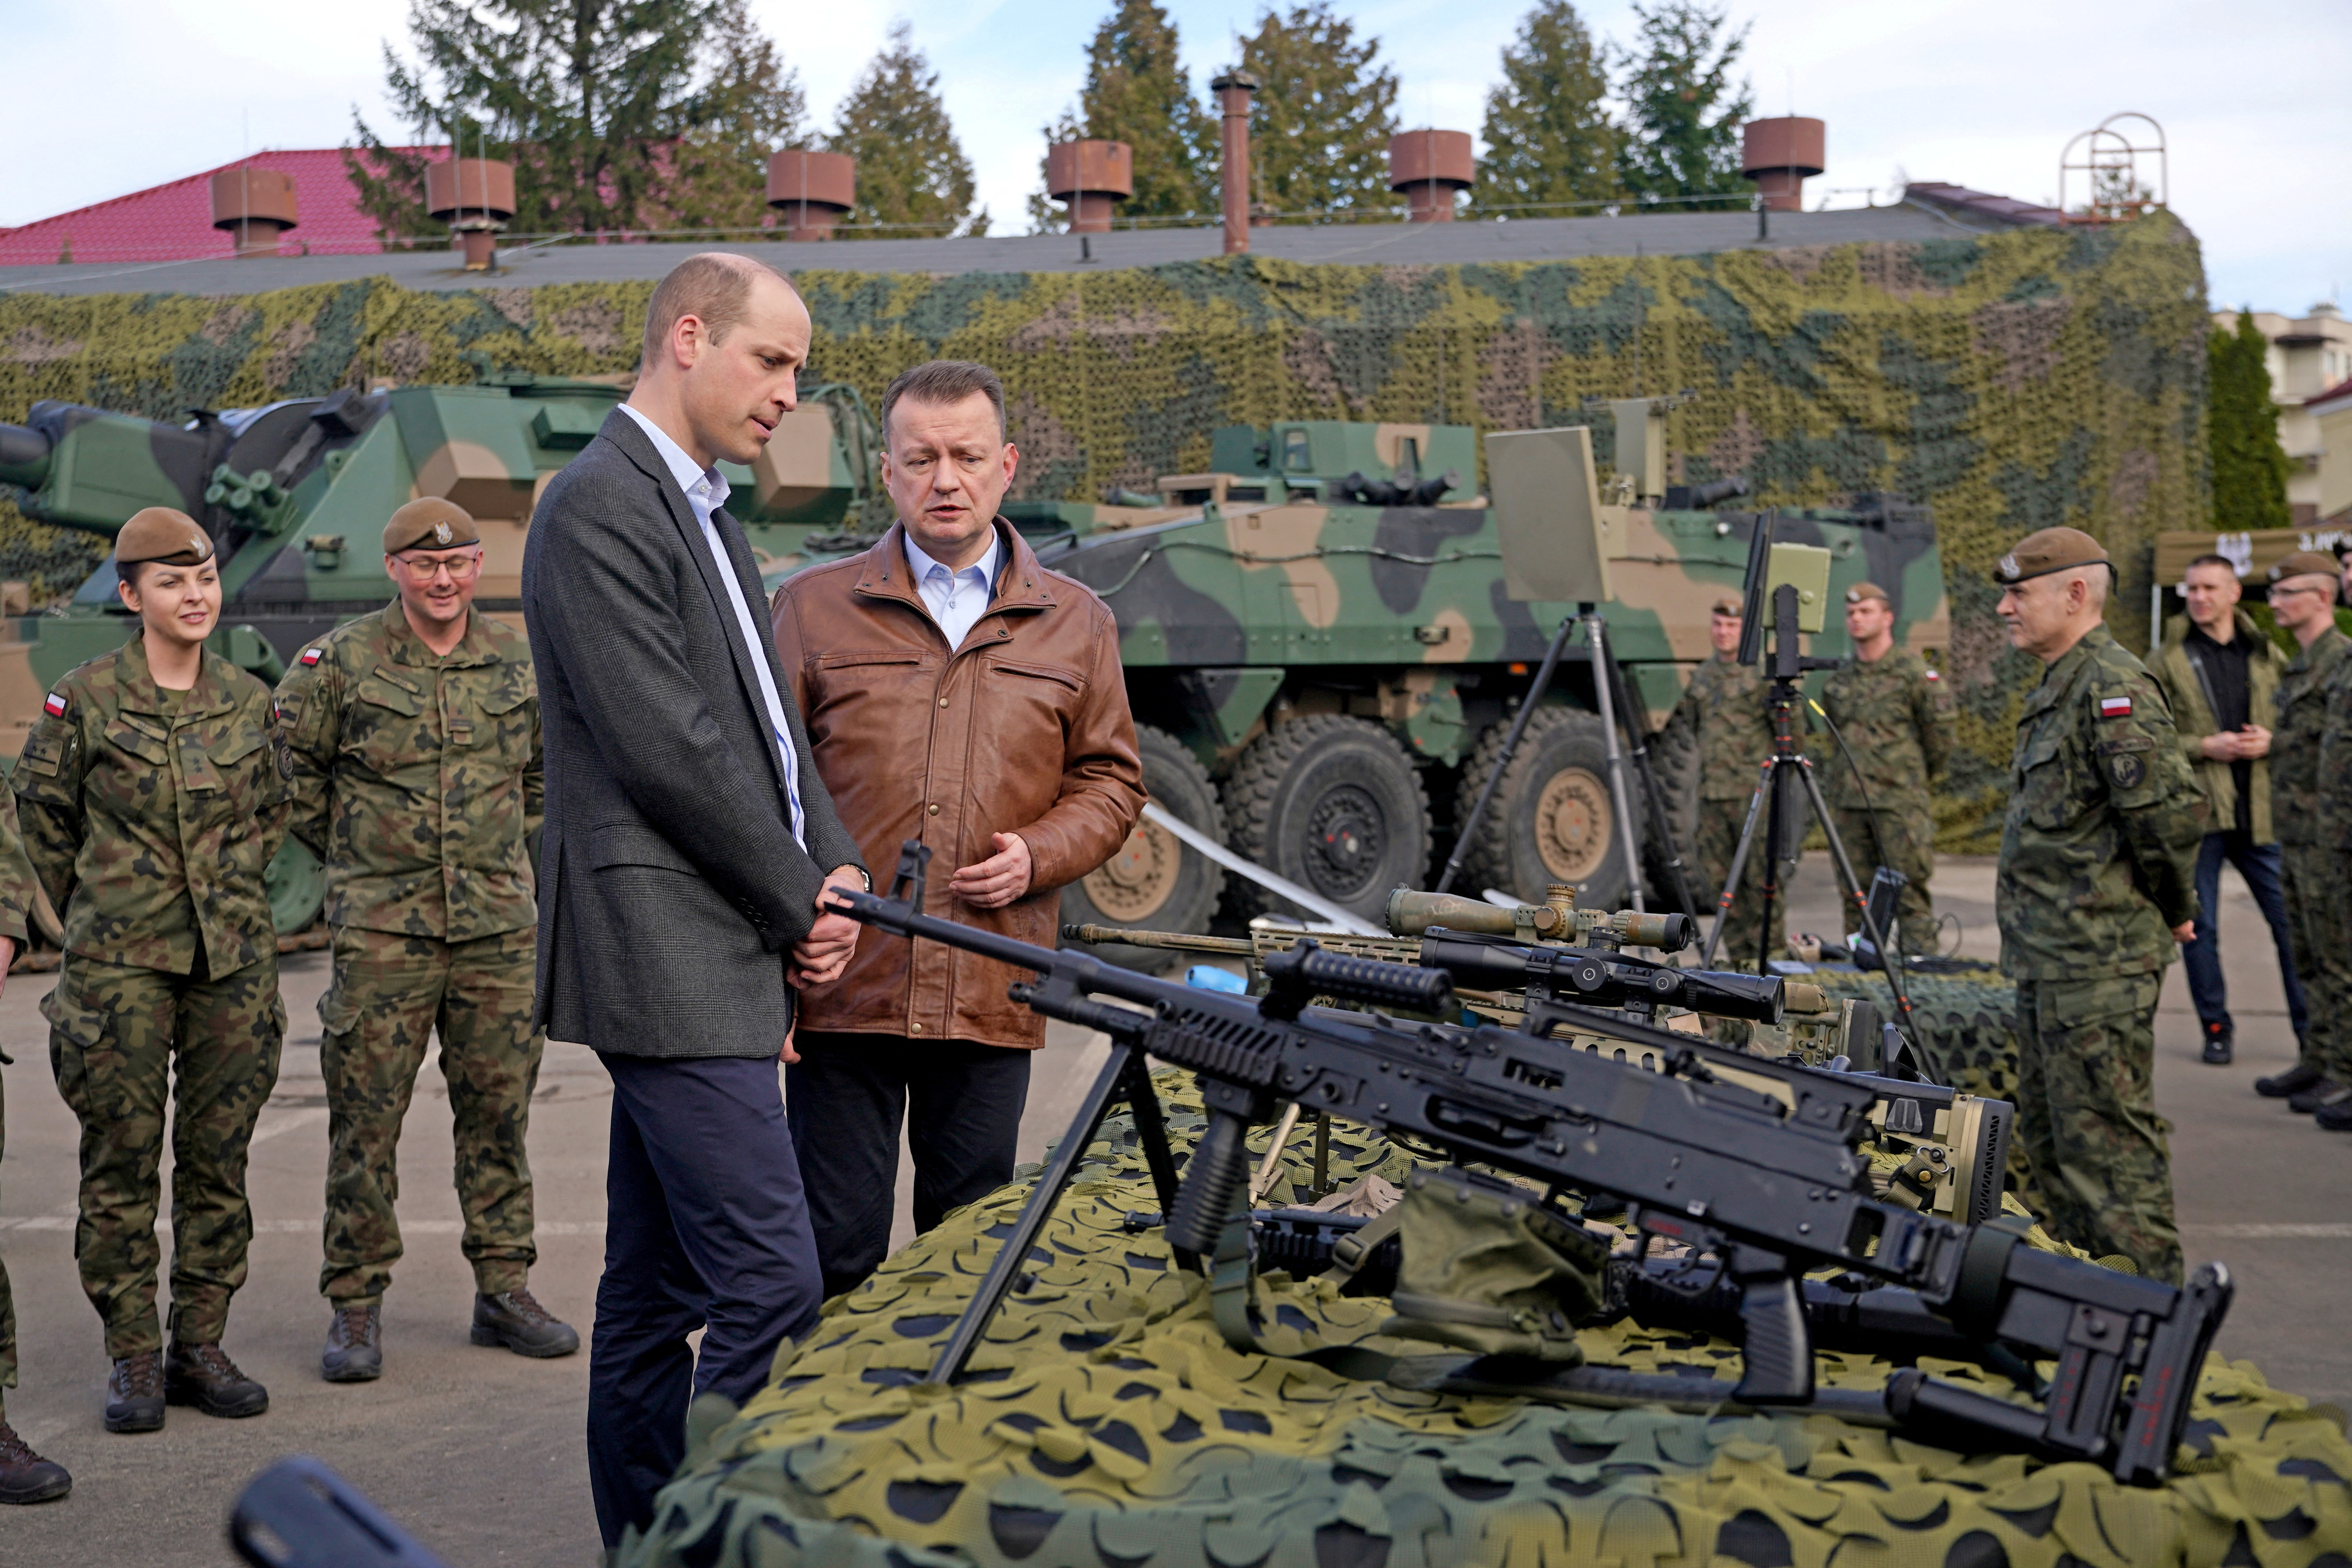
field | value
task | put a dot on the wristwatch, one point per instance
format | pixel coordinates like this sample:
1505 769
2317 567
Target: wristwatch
865 876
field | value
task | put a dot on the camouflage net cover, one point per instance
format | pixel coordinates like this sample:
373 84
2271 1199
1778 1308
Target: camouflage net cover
1967 1023
1108 1426
2008 382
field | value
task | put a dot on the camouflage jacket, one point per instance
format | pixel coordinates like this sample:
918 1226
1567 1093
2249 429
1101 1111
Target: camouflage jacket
2298 805
1723 709
418 778
1894 721
2098 852
151 820
16 881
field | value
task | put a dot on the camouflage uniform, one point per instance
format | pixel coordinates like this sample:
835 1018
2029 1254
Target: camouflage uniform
1892 714
15 898
417 780
2097 860
151 817
1723 711
2311 790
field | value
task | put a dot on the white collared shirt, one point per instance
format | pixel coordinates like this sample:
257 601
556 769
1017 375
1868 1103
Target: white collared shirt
706 493
956 599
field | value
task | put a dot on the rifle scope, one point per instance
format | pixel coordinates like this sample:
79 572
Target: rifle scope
1600 979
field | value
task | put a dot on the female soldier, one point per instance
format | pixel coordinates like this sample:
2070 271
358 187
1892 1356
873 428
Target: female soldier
152 795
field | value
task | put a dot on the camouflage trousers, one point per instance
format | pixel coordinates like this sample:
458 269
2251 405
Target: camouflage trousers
391 995
2319 929
121 1041
2102 1176
1719 822
7 1299
1901 838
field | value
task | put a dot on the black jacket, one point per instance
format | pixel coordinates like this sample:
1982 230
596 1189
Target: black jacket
670 887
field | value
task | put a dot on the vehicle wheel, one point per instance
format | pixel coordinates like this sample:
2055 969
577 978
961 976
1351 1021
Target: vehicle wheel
1156 882
1334 805
1554 818
296 885
1673 758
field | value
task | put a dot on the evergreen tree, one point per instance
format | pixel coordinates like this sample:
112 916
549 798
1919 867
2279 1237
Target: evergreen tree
2250 467
1683 113
1139 92
910 168
1324 110
614 112
1550 138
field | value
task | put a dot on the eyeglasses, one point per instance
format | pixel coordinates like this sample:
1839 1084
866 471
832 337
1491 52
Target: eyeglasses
423 569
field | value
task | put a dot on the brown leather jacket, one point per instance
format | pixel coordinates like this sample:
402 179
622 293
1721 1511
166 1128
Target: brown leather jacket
1024 729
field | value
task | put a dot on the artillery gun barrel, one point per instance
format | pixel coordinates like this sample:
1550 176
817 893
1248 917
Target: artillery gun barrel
24 457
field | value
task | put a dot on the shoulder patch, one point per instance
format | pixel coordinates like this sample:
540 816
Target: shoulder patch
1935 675
312 655
54 706
2114 707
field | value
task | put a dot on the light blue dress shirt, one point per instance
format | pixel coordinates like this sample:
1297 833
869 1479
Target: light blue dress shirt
956 599
706 493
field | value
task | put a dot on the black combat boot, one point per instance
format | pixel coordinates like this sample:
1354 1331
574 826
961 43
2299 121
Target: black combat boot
2282 1085
513 1319
24 1476
204 1376
134 1393
2335 1115
354 1352
2218 1045
2319 1091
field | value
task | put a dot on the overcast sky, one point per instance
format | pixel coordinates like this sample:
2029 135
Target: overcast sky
109 96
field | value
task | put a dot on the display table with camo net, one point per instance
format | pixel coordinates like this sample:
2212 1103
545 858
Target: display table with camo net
1105 1424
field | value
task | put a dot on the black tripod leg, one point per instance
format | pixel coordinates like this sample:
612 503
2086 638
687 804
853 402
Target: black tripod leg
1719 930
1150 1130
1637 729
1050 1183
1890 961
1772 832
1469 825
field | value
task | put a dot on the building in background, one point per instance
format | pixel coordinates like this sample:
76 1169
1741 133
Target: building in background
2311 365
177 221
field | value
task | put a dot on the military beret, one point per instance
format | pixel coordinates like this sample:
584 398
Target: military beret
160 533
2052 550
1861 591
2305 563
429 523
1729 606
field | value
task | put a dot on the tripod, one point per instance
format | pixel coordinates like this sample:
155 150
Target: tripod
1783 771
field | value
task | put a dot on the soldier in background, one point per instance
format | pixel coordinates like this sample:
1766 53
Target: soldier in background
1723 714
1890 712
2332 1108
2095 886
2222 676
2311 836
414 737
151 792
24 1476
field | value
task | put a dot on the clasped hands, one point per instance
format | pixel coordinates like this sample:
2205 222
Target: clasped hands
2241 745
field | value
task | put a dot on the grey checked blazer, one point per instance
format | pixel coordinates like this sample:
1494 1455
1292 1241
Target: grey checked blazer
670 888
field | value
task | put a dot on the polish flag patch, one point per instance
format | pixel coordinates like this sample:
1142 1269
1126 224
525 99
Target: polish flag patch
56 705
2114 707
311 655
1935 675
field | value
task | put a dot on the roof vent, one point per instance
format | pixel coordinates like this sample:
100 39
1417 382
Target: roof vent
255 207
1233 90
476 197
813 190
1428 167
1781 155
1091 177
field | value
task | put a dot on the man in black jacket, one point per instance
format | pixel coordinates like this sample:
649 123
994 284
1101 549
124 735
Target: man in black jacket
689 839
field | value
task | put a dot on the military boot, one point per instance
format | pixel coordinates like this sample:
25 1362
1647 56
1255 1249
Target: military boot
2319 1091
24 1476
2218 1045
2282 1085
515 1318
2335 1115
204 1376
354 1352
134 1393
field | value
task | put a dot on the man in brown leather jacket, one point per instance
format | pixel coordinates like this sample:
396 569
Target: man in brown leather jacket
958 692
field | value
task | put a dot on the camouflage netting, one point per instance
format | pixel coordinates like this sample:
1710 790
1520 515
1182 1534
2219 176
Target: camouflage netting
1108 1426
2009 382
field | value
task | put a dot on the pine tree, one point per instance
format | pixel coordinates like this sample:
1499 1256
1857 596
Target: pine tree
1683 113
1550 138
1138 91
614 113
2250 467
1324 110
911 170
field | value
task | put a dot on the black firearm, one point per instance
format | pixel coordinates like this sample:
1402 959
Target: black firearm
298 1513
1774 1188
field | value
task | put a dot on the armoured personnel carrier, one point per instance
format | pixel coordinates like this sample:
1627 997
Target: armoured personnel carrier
1321 649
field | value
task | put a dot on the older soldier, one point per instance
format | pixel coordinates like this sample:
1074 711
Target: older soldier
2311 856
152 796
2095 886
1889 710
2222 677
1723 713
414 740
24 1476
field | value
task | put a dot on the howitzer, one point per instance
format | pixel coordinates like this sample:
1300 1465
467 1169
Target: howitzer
1773 1187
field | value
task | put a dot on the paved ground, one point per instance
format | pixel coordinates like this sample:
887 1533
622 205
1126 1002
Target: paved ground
480 1452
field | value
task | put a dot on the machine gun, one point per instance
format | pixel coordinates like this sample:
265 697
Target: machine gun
1773 1187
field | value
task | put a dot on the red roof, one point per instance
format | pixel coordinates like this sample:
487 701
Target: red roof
174 222
2340 393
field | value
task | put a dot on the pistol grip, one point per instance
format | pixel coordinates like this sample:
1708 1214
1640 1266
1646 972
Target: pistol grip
1777 1359
1214 1180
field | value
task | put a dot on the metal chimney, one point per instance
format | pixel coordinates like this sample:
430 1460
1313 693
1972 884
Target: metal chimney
1233 91
1429 166
476 197
1781 155
254 207
812 190
1091 177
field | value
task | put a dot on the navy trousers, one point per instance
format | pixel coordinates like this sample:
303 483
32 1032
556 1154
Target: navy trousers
2259 865
707 1228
